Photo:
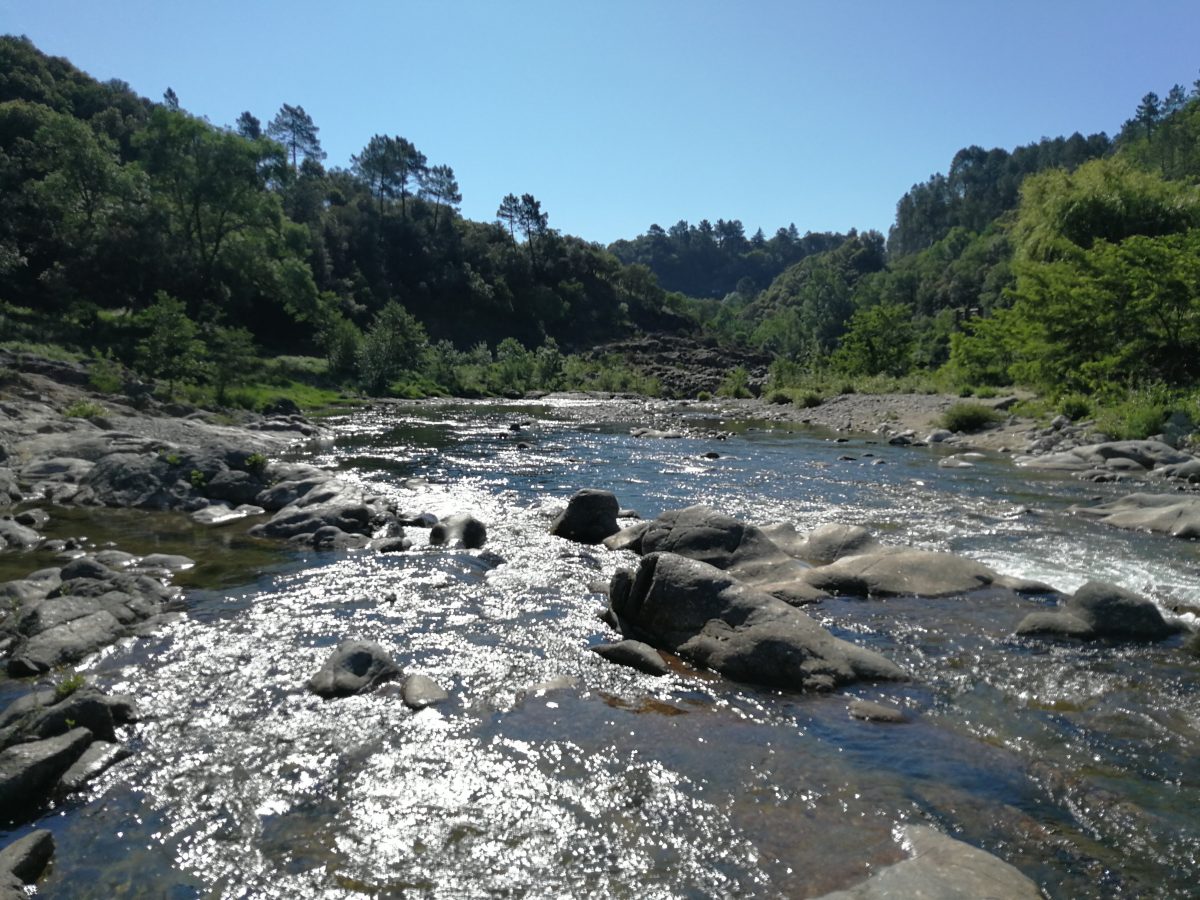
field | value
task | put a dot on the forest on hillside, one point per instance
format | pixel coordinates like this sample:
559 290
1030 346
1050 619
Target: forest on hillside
140 233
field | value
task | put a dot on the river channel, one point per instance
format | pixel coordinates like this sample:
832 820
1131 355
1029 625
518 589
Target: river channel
552 772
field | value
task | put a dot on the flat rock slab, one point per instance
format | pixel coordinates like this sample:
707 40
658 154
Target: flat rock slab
898 571
634 654
870 711
1159 513
1119 455
942 868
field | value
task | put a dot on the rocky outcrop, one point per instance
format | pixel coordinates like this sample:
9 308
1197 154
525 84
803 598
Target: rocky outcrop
355 667
941 868
712 619
1162 514
1099 610
824 544
590 517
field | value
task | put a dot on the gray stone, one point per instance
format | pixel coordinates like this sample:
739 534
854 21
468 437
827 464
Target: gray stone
234 486
870 711
353 668
65 643
1099 610
1159 513
28 772
590 517
634 654
712 619
14 534
420 691
628 538
462 529
95 761
27 857
941 868
1146 455
900 571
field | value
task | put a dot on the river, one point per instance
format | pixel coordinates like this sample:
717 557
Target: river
552 772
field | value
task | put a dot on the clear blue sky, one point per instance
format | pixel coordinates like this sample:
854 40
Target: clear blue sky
617 114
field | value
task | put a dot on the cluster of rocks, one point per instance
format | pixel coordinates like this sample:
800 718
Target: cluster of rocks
725 595
357 667
1119 460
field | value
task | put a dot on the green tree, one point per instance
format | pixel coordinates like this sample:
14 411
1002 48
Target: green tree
394 343
231 355
439 185
532 222
249 126
171 348
294 128
509 214
878 341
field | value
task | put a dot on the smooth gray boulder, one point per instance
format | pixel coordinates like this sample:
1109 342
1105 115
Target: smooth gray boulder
138 480
27 857
1159 513
870 711
1099 610
14 534
65 643
824 544
590 517
714 620
461 529
420 691
941 868
234 486
29 772
629 538
353 668
1137 456
744 551
635 654
902 571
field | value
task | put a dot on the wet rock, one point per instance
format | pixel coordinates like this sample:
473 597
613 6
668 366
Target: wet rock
462 529
712 619
66 643
417 519
941 868
590 517
330 503
900 571
138 480
85 567
1162 514
234 486
95 761
355 667
170 562
870 711
938 435
43 714
392 545
222 514
1143 455
29 772
32 518
330 537
554 683
27 857
628 538
634 654
287 492
656 433
824 544
744 551
420 691
15 535
1099 610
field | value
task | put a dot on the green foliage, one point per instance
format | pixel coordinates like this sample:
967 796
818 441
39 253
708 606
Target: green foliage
85 409
1075 407
879 341
171 348
105 374
198 479
969 417
735 384
231 356
703 396
1142 411
256 464
67 685
779 397
394 343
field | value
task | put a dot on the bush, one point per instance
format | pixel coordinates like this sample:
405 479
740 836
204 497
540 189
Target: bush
84 409
1075 407
735 384
105 374
703 396
969 417
780 397
808 401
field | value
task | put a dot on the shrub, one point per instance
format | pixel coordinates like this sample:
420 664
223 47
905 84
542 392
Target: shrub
703 396
780 397
105 374
735 384
68 685
1075 407
256 463
969 417
84 409
808 401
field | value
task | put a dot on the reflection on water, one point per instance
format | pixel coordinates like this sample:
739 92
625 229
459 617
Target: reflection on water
1077 764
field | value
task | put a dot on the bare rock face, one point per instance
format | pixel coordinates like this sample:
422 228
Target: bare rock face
711 618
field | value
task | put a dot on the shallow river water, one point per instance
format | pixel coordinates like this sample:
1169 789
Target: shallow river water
1076 763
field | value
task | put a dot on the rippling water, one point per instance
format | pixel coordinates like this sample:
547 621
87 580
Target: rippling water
554 773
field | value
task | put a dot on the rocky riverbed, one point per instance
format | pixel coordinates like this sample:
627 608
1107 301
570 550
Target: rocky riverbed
703 590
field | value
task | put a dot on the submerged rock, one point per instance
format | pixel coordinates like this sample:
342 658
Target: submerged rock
590 517
942 868
355 667
824 544
1099 610
712 619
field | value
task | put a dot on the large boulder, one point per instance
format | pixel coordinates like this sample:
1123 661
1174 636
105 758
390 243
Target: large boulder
1099 610
27 857
29 772
330 503
355 667
590 517
903 571
744 551
635 654
1160 513
941 868
714 620
65 643
138 480
44 714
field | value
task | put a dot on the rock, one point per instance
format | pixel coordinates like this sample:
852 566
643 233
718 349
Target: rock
28 857
95 761
942 868
1099 610
417 519
554 683
137 480
869 711
287 492
328 503
28 772
420 691
1159 513
461 528
330 537
900 571
85 567
712 619
590 517
234 486
355 667
43 714
938 435
170 562
14 534
655 433
392 544
223 514
1145 455
628 538
634 654
824 544
65 643
744 551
